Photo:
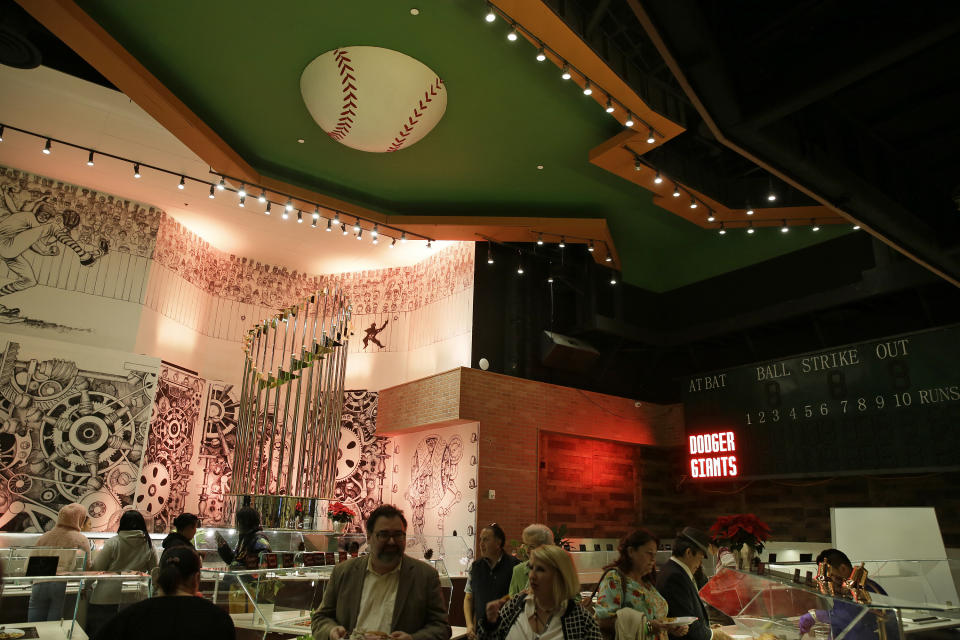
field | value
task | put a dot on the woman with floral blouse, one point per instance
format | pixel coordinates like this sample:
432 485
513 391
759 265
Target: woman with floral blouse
629 582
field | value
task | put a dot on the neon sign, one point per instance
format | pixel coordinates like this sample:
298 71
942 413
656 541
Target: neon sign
712 455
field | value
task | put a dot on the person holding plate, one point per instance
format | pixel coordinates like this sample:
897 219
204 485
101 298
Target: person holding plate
678 586
630 583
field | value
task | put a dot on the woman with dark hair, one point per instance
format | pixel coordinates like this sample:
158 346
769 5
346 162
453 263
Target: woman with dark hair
629 583
129 550
176 612
186 528
251 544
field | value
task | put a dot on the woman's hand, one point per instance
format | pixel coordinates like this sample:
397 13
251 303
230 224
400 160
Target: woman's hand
678 631
493 608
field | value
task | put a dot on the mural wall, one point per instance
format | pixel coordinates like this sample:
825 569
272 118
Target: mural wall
112 272
74 429
104 275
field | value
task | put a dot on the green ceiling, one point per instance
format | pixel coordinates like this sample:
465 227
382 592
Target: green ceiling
237 65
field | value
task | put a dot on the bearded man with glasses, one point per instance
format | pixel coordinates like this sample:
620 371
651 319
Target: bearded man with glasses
385 592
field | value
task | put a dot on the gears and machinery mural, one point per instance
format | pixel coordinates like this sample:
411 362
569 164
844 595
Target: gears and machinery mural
361 456
217 442
165 477
68 434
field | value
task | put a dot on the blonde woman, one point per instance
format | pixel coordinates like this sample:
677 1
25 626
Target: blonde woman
550 611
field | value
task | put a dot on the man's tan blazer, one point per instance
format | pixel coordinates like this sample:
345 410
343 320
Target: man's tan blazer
419 609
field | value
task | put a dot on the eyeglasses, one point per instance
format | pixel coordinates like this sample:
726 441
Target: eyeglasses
383 536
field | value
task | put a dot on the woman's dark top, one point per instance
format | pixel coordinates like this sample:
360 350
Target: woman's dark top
166 617
174 539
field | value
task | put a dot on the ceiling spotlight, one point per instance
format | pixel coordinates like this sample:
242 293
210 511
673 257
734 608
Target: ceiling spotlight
676 190
265 211
512 36
693 203
784 228
540 240
360 234
771 196
212 196
221 186
343 228
263 197
243 191
549 279
356 225
243 199
566 72
629 122
541 56
723 230
179 186
89 157
429 244
491 16
316 213
636 163
403 237
375 240
46 147
586 88
329 225
856 227
285 214
336 218
562 244
750 228
610 108
613 279
749 211
590 247
313 223
289 206
609 258
520 269
489 253
815 226
394 243
657 179
375 232
650 137
136 169
299 216
710 216
1 132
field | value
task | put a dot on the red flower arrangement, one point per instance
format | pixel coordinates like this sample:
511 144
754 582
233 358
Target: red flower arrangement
339 512
740 529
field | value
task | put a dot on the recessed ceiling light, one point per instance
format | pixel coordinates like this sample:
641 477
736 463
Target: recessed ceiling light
540 166
301 140
414 11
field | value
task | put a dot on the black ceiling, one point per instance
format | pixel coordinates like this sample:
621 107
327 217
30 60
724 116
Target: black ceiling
856 101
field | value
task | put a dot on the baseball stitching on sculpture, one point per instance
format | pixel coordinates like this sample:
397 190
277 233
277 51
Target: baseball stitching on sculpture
347 80
412 120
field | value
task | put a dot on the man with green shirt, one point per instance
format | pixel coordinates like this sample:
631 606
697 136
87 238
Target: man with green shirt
534 536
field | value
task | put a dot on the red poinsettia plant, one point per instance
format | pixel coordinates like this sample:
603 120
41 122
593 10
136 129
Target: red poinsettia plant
339 512
741 529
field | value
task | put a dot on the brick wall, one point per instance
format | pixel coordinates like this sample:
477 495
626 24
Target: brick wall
432 400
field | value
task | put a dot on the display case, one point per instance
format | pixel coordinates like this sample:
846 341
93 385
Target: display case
771 606
453 550
64 597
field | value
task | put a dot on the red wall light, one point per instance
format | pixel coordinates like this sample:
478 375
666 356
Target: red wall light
712 455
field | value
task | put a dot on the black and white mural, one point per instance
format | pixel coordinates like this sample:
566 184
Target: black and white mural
215 455
73 428
361 456
165 478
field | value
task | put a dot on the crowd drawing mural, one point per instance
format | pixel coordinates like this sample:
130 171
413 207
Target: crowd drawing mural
165 478
74 429
73 238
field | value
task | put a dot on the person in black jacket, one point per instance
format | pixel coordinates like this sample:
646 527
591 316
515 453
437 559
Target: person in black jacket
250 545
176 612
676 583
489 577
186 528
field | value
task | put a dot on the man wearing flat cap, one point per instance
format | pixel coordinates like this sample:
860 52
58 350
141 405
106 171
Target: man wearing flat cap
676 583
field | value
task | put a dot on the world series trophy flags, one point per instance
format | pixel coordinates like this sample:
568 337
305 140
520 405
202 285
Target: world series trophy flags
291 400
